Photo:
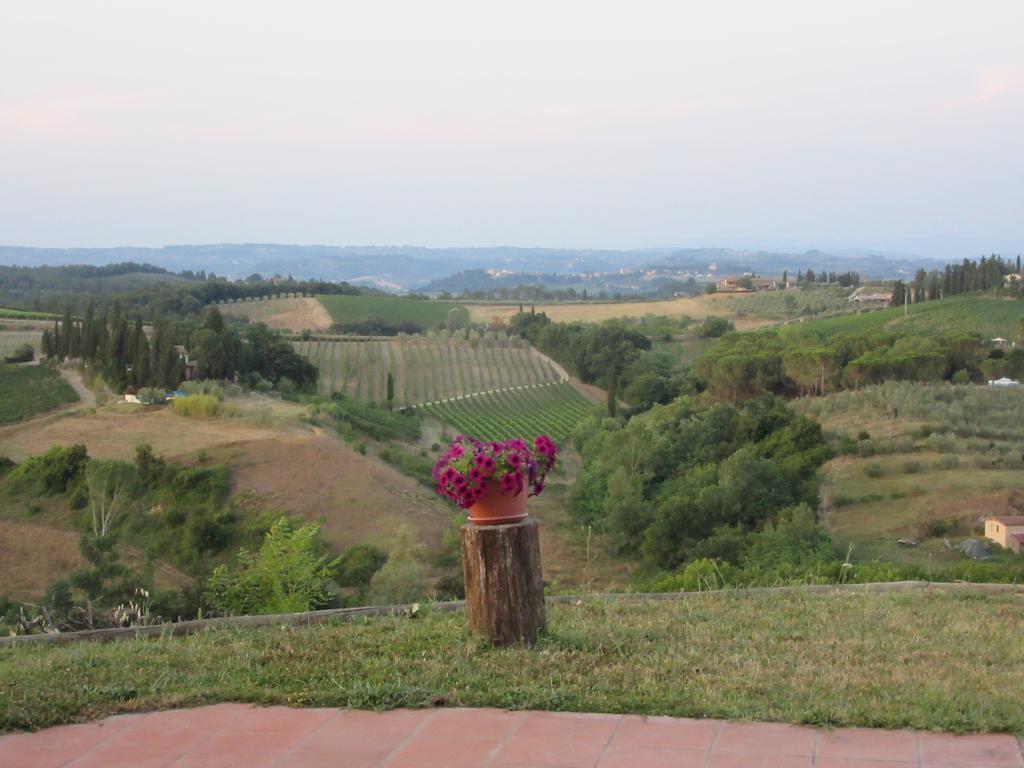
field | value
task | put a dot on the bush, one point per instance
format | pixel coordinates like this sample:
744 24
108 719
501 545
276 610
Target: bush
358 564
874 470
911 467
53 472
287 575
713 327
946 462
403 578
205 387
152 396
197 406
23 353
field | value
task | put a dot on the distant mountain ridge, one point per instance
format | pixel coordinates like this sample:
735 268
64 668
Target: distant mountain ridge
402 268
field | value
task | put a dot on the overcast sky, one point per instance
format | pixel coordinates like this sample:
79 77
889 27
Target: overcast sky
892 125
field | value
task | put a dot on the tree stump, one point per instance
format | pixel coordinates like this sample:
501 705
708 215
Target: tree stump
504 590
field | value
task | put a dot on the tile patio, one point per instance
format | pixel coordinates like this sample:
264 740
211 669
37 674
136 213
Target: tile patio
244 736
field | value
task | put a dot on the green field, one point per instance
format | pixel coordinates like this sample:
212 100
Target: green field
26 390
395 309
984 314
425 369
552 409
793 302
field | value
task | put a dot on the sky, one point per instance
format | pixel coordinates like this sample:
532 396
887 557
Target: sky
889 125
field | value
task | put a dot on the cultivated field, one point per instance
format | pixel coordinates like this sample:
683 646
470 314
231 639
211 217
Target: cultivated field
793 302
987 315
394 309
553 409
26 390
425 369
697 307
23 314
295 314
924 462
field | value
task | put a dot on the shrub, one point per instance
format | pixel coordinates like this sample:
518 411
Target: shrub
935 529
204 387
713 327
152 396
874 470
403 578
961 377
53 472
911 467
23 353
287 575
358 564
197 406
946 462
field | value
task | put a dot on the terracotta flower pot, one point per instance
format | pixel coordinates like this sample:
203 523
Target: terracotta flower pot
497 508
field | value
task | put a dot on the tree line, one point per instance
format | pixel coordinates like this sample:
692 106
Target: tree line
143 289
986 274
743 365
597 354
122 350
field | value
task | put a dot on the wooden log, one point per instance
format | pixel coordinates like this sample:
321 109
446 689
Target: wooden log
504 590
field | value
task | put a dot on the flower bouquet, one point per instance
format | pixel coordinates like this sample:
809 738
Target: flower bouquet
491 478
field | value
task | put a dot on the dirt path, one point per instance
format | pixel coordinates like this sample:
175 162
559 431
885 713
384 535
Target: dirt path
74 378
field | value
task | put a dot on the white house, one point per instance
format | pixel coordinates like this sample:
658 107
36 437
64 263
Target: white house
1003 382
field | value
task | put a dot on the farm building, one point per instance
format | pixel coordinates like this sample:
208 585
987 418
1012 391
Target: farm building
880 299
1003 382
1007 531
191 366
999 341
732 284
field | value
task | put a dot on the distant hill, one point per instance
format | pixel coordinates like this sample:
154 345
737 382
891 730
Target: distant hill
399 268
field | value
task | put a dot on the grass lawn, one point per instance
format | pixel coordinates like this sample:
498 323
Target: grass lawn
352 309
26 390
933 661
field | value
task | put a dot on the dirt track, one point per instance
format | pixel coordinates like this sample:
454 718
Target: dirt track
74 378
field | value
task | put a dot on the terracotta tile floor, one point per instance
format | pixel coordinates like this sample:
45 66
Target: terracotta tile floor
243 736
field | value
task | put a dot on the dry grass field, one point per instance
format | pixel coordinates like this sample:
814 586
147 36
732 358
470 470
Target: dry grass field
698 307
12 339
36 555
286 314
318 477
279 464
113 431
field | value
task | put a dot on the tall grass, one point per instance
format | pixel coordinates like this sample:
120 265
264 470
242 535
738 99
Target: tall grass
197 406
